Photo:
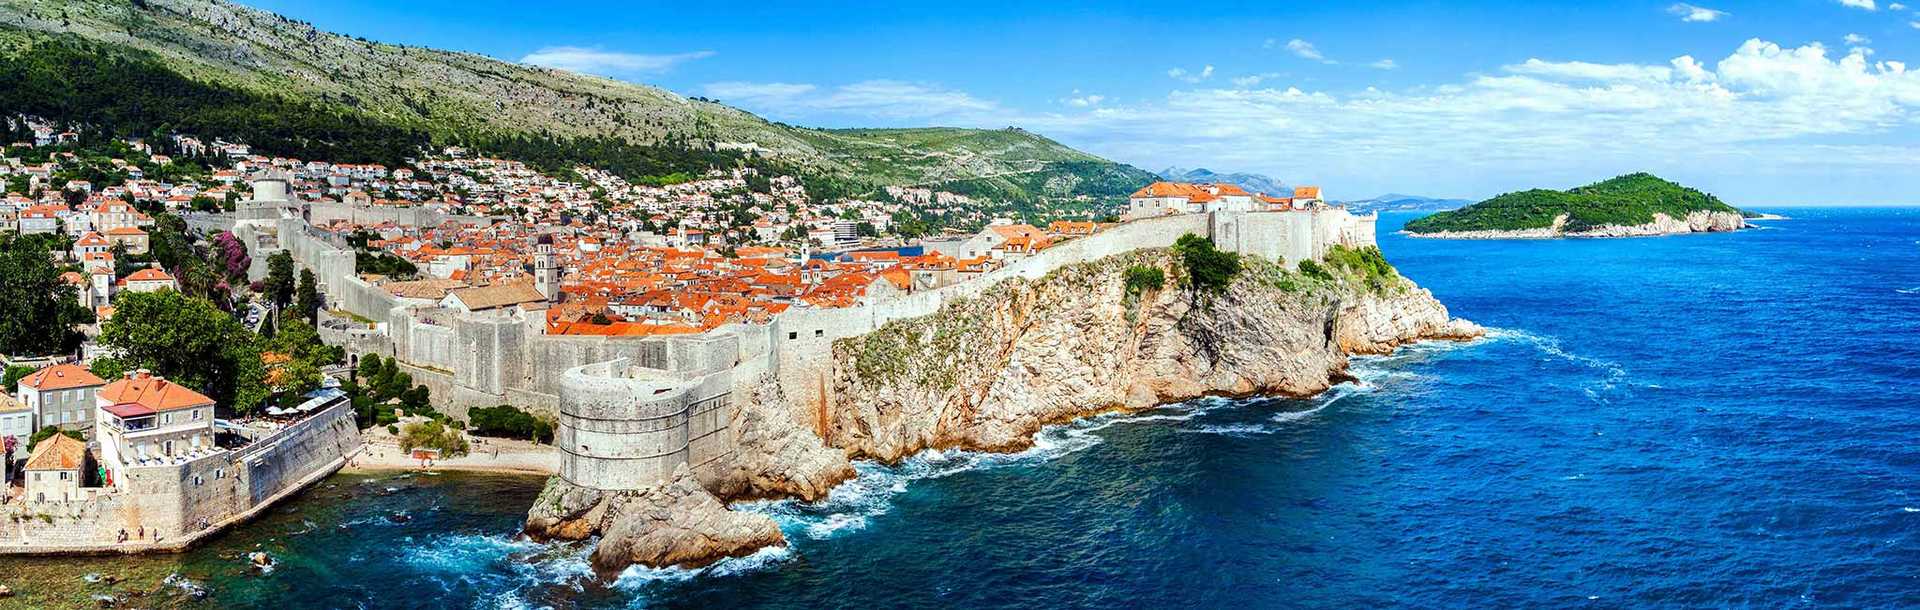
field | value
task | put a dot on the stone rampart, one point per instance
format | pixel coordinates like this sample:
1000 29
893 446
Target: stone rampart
170 506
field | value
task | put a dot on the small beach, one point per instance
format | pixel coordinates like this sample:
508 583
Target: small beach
494 455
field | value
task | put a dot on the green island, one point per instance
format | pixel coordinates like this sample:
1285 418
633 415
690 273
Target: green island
1627 200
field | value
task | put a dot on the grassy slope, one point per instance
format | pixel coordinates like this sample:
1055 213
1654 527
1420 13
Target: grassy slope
1632 199
445 93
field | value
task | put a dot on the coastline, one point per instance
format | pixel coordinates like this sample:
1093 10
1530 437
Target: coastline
1661 226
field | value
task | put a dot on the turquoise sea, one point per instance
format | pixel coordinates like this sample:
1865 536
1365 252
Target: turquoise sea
1725 420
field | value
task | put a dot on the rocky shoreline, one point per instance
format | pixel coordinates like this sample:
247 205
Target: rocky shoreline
988 373
1700 221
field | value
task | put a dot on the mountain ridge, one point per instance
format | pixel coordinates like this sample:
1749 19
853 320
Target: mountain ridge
1258 183
449 95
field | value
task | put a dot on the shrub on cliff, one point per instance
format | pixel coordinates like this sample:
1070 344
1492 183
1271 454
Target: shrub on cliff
1142 278
1365 265
1208 268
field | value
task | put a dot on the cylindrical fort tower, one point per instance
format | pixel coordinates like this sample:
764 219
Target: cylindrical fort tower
618 430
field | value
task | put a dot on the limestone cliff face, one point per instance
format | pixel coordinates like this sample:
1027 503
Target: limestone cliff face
773 457
987 373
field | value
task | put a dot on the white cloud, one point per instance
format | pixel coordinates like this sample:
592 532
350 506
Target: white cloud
607 63
1760 108
1695 14
1083 101
1306 50
886 99
1761 114
1859 4
1183 75
1857 40
1591 71
1896 7
1385 64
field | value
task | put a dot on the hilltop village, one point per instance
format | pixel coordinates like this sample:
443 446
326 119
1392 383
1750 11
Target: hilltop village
467 275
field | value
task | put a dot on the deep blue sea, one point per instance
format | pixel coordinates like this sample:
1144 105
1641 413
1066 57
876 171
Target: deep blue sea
1725 420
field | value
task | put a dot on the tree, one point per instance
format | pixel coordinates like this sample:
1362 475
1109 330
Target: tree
48 432
435 435
306 301
190 341
14 374
506 421
280 278
38 310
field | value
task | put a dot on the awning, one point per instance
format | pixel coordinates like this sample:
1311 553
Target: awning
129 409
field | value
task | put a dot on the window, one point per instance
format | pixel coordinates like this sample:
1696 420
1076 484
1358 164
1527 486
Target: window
66 476
820 333
196 480
793 335
196 415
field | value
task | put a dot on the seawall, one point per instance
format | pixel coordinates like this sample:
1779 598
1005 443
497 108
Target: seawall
172 507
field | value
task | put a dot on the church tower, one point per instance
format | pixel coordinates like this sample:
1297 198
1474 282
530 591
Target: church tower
546 268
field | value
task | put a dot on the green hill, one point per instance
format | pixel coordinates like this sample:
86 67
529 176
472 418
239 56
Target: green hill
215 67
1632 199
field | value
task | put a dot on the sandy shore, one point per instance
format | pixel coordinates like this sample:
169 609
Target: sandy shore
488 455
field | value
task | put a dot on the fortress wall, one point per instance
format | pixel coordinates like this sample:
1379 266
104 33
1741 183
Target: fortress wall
175 504
278 463
326 212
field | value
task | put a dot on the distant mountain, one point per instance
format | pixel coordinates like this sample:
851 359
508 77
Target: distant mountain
1625 201
1392 202
1252 182
219 69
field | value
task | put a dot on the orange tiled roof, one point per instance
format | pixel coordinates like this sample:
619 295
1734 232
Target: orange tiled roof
152 392
58 452
61 377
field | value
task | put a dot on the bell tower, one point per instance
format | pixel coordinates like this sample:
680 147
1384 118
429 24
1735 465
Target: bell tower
546 268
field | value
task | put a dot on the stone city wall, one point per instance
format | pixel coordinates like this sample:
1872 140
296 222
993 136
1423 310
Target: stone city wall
170 506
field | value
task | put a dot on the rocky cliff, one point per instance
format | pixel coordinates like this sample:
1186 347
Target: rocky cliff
1698 221
1125 332
987 373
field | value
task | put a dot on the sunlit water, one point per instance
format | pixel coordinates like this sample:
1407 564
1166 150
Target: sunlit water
1712 420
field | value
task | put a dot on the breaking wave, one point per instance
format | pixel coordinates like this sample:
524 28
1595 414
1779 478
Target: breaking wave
1612 375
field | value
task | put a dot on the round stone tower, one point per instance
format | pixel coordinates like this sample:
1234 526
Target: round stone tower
619 428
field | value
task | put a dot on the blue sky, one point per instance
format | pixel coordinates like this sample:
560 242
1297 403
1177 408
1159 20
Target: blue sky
1787 101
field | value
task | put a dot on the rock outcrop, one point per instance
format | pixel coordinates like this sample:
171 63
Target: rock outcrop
987 373
1698 221
773 457
677 523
